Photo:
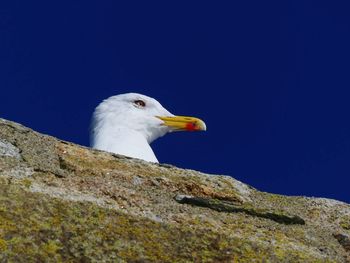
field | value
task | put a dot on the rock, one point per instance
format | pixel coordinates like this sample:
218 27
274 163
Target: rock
7 149
61 202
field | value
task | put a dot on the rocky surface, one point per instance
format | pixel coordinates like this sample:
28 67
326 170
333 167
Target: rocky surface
61 202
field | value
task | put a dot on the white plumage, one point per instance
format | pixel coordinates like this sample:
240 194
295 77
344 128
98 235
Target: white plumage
126 124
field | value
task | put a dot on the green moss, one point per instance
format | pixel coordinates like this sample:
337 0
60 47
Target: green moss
345 223
36 227
3 245
51 247
26 182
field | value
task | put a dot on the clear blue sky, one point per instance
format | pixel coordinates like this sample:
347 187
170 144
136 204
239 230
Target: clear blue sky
271 80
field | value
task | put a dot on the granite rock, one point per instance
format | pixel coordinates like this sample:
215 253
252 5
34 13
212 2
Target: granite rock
61 202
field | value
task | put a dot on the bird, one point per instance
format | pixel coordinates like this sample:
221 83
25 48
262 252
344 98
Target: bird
127 124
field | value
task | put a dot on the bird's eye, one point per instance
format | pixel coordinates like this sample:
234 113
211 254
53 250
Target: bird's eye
140 103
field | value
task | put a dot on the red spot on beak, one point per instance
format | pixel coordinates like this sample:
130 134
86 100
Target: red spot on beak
191 126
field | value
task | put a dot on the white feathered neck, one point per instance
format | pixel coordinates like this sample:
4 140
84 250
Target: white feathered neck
120 126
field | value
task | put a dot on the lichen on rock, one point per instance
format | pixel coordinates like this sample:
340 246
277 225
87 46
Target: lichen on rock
61 202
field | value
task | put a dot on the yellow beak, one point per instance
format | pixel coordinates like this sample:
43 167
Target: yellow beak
184 123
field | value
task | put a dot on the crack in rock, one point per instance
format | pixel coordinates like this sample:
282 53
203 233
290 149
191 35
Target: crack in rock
343 240
224 206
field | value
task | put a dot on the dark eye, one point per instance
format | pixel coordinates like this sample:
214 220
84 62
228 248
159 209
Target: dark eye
140 103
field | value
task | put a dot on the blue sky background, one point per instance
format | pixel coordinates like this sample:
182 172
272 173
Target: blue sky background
271 80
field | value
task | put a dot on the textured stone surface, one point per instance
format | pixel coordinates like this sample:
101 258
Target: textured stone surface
7 149
61 202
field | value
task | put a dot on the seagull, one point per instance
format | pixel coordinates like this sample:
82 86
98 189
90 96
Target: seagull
126 124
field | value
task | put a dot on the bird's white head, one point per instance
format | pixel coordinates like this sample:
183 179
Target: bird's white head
134 117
